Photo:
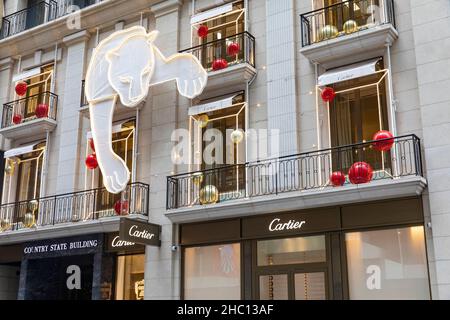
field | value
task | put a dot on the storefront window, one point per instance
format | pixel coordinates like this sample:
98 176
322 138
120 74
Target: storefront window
387 264
213 273
130 277
291 251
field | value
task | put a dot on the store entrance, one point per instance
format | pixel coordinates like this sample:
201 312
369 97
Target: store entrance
292 269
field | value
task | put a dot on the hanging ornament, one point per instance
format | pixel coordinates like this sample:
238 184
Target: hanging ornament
197 178
337 179
328 32
328 94
91 144
360 172
5 224
41 111
350 26
233 49
21 88
33 205
209 194
203 121
91 162
202 31
237 136
219 64
17 118
385 145
28 220
121 207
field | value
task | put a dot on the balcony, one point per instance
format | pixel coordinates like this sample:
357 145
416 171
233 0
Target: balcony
91 210
233 74
347 32
298 182
32 116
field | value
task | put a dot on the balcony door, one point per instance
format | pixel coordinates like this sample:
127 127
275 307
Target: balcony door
35 14
38 86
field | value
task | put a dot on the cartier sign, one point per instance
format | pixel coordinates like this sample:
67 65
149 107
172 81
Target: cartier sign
139 232
115 244
277 225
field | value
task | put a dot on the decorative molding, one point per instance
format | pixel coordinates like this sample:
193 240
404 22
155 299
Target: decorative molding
166 7
6 63
80 36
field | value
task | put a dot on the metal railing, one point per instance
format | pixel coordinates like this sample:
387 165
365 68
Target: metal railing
25 108
75 207
345 18
209 52
305 171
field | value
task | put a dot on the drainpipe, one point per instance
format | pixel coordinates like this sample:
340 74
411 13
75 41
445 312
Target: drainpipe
393 107
319 140
42 192
53 82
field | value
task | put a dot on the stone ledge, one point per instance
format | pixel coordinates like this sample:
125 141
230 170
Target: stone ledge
299 200
36 128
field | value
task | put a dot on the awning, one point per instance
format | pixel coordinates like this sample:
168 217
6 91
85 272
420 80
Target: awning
353 71
222 103
20 151
115 129
26 74
202 16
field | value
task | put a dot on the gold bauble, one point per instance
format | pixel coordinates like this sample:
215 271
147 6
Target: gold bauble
328 32
237 136
5 224
28 220
209 194
203 121
350 26
33 205
197 178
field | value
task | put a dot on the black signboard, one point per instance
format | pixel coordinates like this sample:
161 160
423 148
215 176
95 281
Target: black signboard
140 232
115 244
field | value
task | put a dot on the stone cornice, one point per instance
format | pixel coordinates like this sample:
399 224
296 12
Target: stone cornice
166 7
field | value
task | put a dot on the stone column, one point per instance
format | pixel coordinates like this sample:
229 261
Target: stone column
65 145
162 275
431 32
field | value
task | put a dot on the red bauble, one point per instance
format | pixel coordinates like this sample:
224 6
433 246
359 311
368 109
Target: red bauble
360 172
328 94
21 88
17 119
385 145
233 49
91 162
219 64
91 144
337 179
202 31
41 110
121 207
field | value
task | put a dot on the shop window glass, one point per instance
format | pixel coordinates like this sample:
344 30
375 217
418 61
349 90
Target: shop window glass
130 277
212 272
273 287
291 251
310 286
387 264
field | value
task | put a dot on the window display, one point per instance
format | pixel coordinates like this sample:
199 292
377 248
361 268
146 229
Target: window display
130 277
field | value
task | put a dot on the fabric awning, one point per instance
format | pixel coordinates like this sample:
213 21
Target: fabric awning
202 16
353 71
26 74
20 151
222 103
115 129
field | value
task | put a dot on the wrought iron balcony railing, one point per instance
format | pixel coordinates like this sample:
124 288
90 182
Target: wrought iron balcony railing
212 54
74 207
305 171
345 18
42 105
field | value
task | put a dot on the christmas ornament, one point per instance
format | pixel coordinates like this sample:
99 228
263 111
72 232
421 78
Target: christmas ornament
328 94
203 121
121 207
237 136
17 118
91 144
91 161
197 178
41 110
5 224
219 64
33 205
350 26
209 194
360 172
21 88
233 49
202 31
337 179
328 32
385 145
28 220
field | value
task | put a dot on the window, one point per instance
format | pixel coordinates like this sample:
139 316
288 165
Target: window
130 277
213 272
387 264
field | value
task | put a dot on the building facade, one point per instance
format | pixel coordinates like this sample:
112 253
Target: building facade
313 165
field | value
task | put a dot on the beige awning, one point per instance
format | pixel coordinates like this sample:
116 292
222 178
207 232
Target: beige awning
349 72
20 151
208 14
212 105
